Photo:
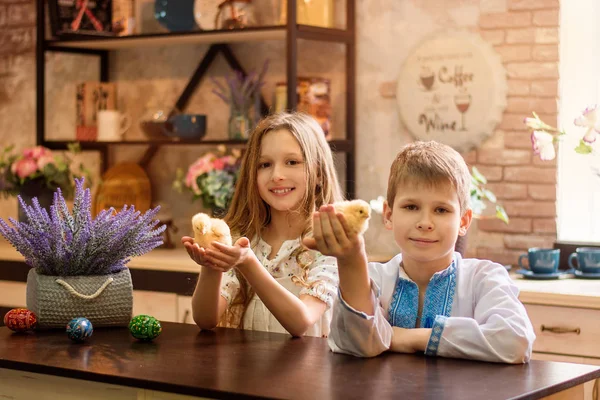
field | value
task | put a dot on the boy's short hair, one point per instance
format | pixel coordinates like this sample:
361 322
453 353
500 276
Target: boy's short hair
430 163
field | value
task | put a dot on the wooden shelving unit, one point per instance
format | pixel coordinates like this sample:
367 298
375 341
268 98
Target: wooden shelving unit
102 46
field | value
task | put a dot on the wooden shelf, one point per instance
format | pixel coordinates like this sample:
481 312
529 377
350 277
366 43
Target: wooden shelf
336 145
101 46
90 42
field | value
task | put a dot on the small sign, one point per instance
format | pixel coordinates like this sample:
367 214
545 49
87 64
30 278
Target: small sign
452 89
81 17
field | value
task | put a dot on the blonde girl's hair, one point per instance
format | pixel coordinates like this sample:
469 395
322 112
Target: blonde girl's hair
248 214
430 163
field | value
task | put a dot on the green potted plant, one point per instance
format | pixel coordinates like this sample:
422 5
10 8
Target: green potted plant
79 263
481 196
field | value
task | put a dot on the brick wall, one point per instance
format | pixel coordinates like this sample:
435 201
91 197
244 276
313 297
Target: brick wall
525 33
17 38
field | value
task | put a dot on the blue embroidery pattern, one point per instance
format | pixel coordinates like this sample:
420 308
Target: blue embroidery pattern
437 305
436 334
404 306
439 296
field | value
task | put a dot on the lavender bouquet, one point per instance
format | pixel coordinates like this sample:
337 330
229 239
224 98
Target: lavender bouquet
242 92
64 244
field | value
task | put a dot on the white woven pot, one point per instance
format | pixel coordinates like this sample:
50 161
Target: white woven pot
106 300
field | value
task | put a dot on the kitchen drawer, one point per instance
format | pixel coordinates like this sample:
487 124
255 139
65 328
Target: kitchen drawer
565 330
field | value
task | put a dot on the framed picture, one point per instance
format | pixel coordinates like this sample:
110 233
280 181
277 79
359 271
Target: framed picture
81 17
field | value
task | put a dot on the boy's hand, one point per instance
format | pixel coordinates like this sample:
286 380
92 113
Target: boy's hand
332 236
224 257
409 340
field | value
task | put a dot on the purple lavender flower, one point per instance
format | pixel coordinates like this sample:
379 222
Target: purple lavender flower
59 242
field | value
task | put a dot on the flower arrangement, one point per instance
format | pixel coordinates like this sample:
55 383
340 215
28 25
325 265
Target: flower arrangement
480 196
58 242
211 178
39 165
242 91
544 136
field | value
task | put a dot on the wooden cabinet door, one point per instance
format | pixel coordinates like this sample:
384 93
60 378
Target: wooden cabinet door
184 310
162 306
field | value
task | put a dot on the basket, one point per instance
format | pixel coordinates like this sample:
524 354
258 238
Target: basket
106 300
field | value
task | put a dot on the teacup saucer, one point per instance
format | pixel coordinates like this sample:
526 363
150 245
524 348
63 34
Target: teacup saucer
530 275
586 275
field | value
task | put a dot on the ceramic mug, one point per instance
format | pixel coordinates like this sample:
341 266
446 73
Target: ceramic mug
588 260
112 125
185 126
541 261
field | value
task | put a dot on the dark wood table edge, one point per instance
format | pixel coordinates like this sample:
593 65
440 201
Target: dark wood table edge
178 282
123 381
209 393
580 380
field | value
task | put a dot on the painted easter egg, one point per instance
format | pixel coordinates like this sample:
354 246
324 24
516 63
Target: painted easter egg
20 320
144 327
79 329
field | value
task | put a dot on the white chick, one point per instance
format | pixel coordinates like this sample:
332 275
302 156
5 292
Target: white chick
356 212
207 230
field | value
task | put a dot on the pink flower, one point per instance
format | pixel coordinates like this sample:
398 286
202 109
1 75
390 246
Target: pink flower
230 160
24 168
36 152
199 167
192 183
44 160
543 145
589 119
219 163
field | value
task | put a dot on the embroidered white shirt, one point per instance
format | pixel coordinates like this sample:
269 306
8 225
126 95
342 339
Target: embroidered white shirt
283 267
472 308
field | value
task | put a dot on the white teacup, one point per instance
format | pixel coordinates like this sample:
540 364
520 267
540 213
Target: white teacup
112 125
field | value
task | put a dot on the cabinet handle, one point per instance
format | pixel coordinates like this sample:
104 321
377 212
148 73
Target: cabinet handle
558 329
185 315
595 390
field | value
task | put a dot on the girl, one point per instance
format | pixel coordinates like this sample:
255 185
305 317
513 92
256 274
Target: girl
267 280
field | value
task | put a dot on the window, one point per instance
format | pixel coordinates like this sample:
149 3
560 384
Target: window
578 196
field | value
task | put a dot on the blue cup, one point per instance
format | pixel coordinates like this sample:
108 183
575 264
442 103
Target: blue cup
185 126
541 261
588 260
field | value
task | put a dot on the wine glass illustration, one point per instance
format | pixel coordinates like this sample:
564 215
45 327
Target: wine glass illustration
427 77
462 102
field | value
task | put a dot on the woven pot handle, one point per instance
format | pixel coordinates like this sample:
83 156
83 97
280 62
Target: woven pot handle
74 292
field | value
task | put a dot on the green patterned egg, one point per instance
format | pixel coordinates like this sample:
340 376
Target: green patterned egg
144 327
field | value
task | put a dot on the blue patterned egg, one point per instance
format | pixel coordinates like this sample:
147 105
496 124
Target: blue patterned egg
79 329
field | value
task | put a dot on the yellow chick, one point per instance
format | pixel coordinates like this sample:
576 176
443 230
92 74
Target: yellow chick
356 212
207 230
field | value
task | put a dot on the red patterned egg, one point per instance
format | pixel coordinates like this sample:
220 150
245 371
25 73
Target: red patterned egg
20 320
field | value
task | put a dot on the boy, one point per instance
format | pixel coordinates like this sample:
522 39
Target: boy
427 298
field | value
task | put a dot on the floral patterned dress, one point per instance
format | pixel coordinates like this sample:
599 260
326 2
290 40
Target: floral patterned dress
321 278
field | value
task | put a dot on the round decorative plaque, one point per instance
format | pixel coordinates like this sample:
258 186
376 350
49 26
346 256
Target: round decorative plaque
452 89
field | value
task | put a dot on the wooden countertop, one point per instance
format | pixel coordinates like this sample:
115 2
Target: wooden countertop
152 271
566 291
231 362
176 260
